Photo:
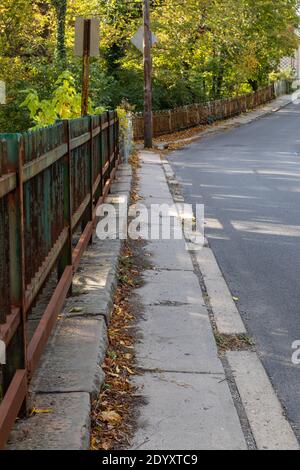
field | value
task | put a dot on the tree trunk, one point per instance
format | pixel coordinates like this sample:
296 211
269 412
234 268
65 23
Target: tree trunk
253 84
61 13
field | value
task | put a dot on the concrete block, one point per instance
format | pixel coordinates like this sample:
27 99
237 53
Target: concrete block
91 305
73 357
65 427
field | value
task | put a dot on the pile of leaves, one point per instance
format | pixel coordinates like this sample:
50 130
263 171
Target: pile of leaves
113 411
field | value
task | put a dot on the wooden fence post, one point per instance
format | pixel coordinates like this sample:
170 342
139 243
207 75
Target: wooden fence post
65 258
16 354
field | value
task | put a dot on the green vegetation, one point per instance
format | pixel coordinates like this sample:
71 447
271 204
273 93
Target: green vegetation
207 49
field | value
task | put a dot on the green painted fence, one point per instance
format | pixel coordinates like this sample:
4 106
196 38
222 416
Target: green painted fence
51 181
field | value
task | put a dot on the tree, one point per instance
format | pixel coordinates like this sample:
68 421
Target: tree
206 49
61 14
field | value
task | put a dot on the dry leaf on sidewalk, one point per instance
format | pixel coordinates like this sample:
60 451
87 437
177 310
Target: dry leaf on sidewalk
111 417
36 411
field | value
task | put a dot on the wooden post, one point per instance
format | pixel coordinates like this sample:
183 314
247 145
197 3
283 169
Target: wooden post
65 258
148 125
86 67
16 355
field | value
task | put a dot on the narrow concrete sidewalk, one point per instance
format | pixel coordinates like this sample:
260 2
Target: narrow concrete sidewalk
188 402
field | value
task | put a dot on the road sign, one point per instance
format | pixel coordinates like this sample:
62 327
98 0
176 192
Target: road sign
93 39
2 93
138 39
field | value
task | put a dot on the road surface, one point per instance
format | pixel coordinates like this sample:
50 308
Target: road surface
249 180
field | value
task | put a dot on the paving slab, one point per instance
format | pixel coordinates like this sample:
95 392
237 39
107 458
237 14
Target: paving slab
149 200
173 288
65 427
187 412
149 158
169 254
157 181
151 191
79 346
177 339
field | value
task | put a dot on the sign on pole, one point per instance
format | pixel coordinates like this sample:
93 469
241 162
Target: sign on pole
2 92
87 33
138 39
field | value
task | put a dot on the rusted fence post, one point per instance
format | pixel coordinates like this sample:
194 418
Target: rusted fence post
65 258
16 353
91 172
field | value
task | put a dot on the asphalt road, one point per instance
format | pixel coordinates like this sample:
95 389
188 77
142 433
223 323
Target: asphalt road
248 178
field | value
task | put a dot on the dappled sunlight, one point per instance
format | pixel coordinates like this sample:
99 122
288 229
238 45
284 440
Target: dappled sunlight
213 224
264 228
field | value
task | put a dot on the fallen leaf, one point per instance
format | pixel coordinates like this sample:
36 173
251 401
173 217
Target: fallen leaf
236 299
76 309
111 417
36 411
129 370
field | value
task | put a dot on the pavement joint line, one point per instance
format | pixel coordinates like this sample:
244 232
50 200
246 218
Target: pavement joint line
239 406
168 371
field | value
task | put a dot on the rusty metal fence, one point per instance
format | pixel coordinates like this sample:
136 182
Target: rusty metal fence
51 182
185 117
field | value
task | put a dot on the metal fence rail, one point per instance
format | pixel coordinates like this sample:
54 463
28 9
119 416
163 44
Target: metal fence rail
185 117
51 182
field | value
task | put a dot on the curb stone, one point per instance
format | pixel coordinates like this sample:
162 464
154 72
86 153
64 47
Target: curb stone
69 376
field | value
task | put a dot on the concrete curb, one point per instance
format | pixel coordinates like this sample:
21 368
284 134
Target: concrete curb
70 375
269 426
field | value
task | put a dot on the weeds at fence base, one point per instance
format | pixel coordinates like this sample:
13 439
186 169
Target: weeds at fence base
112 423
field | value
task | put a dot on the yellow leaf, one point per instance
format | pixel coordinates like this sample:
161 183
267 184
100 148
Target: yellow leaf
76 309
111 417
36 411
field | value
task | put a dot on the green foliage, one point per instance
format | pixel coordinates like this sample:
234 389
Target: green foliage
65 103
287 74
206 49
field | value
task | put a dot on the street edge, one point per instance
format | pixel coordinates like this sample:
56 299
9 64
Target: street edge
267 427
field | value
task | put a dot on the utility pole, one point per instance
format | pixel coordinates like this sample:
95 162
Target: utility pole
148 129
86 67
